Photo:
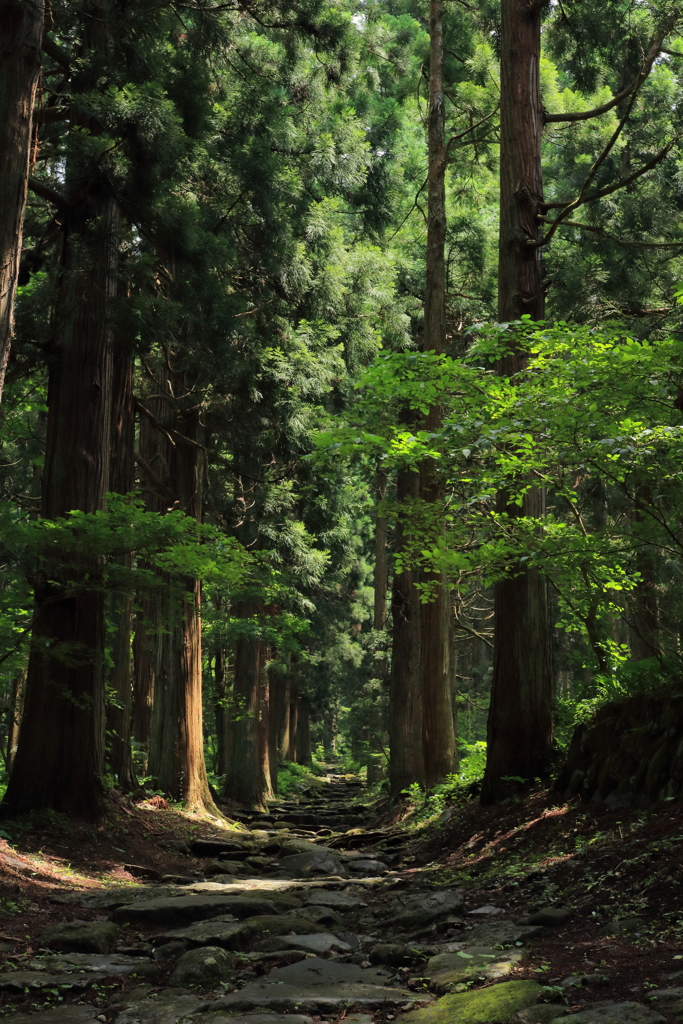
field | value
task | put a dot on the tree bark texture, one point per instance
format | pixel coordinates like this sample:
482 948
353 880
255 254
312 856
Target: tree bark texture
283 698
520 714
438 739
304 754
220 712
176 756
381 577
21 29
60 757
122 482
293 721
247 778
16 711
275 686
406 764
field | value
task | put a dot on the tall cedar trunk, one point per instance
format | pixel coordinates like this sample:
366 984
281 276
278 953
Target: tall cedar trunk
60 757
246 779
293 721
381 578
122 482
264 721
154 458
304 754
220 712
283 697
520 715
438 738
176 754
406 764
276 684
21 29
16 711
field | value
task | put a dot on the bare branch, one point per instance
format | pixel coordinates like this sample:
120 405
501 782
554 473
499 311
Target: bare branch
45 192
614 238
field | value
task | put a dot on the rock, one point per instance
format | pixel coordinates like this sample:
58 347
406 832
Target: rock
72 1014
319 915
217 867
337 900
135 948
579 980
197 907
550 917
170 950
112 963
319 987
140 871
206 967
492 1005
81 937
366 867
178 846
214 847
615 1013
502 933
20 981
261 1018
542 1013
315 862
179 879
322 943
168 1007
488 910
238 935
284 825
425 910
448 970
395 954
665 995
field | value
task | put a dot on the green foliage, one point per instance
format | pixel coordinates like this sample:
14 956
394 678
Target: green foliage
293 779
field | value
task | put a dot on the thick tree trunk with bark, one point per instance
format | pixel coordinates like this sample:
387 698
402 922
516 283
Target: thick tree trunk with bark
276 682
176 756
381 574
21 29
293 722
248 779
406 764
283 698
304 754
122 482
438 739
520 715
60 758
220 712
16 711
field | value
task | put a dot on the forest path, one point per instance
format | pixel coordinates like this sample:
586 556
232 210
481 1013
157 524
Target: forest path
297 922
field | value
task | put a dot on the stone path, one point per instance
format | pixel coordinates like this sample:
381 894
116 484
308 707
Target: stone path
303 916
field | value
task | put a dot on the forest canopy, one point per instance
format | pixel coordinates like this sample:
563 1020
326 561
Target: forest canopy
341 388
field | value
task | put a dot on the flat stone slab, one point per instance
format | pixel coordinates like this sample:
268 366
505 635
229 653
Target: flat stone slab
170 1007
74 1014
320 944
315 862
319 986
448 970
80 936
493 1005
615 1013
18 981
338 901
424 910
256 1018
197 907
107 963
237 934
665 995
366 866
542 1013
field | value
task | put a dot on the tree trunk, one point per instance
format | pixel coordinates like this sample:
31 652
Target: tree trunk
304 754
264 721
21 29
220 711
246 780
60 757
276 685
176 756
520 714
283 698
16 711
438 739
381 577
293 722
406 764
122 482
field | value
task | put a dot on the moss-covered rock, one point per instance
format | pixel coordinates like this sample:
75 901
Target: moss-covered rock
493 1005
448 970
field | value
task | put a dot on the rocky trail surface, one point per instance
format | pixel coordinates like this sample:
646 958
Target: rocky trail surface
307 915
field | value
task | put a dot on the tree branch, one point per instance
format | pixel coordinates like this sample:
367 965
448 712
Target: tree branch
45 192
586 115
614 238
60 56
